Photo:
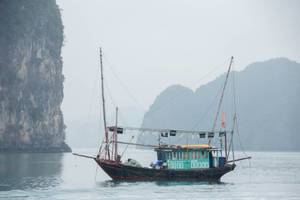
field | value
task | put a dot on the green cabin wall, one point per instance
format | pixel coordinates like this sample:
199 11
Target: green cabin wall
186 159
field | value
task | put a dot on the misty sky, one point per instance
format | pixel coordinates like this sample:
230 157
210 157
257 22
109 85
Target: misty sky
153 44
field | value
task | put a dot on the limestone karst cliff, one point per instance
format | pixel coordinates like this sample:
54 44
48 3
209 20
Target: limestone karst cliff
31 79
268 105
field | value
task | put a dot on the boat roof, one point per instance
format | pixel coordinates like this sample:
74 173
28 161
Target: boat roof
196 146
187 146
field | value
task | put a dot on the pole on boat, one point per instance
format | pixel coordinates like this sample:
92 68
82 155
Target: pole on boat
221 99
234 123
239 159
116 136
107 154
225 137
235 111
223 125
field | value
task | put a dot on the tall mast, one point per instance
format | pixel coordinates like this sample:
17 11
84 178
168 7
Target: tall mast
221 99
235 114
103 106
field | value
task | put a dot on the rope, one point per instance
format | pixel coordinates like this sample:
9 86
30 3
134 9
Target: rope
239 139
123 85
110 95
235 113
92 95
171 99
207 110
126 146
223 91
236 123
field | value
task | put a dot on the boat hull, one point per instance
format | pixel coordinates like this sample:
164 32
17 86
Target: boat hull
120 172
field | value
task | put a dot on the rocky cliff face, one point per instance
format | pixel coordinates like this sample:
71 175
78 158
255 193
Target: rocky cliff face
31 80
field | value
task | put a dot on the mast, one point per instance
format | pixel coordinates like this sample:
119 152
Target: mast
116 136
221 99
103 107
226 152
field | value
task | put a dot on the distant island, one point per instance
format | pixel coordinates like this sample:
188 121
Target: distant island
268 105
31 79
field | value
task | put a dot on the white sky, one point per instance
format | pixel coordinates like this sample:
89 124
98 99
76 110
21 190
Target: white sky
157 43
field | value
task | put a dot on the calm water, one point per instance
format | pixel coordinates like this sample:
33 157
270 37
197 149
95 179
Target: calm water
64 176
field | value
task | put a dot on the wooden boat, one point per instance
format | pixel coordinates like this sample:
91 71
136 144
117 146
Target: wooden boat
190 162
197 168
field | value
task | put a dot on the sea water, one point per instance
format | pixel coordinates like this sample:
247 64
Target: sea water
268 175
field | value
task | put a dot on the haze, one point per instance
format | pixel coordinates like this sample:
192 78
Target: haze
151 45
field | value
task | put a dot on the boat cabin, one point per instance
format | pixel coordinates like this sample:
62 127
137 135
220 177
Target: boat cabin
190 157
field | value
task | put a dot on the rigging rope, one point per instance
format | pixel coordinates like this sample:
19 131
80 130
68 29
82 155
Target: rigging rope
172 98
110 94
235 113
236 123
222 95
127 146
207 110
123 85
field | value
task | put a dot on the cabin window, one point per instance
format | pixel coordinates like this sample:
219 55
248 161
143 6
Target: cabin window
180 155
190 155
202 154
214 153
185 155
205 154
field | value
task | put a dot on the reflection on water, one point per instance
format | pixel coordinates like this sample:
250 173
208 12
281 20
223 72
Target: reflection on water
273 175
29 170
109 183
112 183
186 183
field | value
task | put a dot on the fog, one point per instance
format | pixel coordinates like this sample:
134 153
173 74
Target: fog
150 45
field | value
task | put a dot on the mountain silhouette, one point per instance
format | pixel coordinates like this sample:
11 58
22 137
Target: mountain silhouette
267 100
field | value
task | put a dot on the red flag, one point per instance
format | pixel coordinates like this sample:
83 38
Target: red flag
223 119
